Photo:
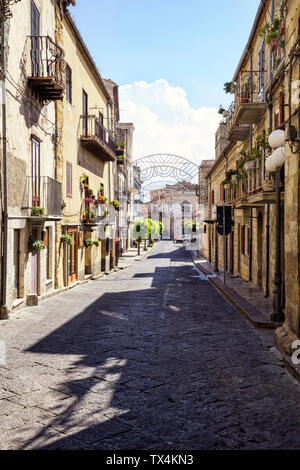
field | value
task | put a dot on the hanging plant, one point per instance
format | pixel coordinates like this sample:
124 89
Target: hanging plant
221 109
88 242
67 239
96 243
35 245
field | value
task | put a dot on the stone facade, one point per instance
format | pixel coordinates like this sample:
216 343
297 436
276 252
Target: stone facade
59 156
261 105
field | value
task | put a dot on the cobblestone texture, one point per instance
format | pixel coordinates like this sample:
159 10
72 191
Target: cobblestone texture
151 357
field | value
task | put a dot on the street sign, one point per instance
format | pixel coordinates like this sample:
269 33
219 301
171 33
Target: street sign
220 220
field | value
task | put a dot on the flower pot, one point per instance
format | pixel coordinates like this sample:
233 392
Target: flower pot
250 165
244 99
282 28
273 44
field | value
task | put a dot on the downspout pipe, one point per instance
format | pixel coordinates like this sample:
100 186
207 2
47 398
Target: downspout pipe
251 210
4 310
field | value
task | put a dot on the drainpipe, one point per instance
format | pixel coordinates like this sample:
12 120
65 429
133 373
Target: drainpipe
277 314
4 309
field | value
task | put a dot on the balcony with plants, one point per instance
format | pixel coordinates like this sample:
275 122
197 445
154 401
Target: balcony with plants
97 139
42 198
274 35
46 68
250 104
94 207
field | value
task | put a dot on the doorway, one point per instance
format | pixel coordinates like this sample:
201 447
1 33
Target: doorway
72 251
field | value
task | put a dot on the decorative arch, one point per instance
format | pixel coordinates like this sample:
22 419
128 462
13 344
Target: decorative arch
165 165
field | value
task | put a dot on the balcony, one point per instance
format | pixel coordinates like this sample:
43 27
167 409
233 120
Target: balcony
249 98
97 139
42 192
235 132
46 78
253 187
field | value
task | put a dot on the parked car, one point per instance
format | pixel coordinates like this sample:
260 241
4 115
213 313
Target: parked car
179 239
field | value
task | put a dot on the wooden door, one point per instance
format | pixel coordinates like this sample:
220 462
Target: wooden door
16 264
73 257
34 266
35 40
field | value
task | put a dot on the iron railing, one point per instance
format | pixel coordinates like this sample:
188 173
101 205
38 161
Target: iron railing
47 59
93 129
45 192
250 87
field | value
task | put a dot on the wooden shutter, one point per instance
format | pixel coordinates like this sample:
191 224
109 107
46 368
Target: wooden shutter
261 67
69 179
281 108
222 194
243 239
69 83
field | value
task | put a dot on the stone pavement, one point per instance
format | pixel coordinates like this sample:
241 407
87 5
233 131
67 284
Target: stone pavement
245 296
150 357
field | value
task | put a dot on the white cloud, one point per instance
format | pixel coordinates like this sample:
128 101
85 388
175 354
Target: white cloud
166 123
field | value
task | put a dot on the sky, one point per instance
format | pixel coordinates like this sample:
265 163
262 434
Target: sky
170 59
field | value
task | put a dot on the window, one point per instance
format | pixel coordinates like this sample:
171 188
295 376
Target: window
35 158
69 179
85 113
261 68
245 235
35 44
212 197
69 83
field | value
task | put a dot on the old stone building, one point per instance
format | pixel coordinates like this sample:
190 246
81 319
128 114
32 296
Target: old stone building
32 80
257 175
87 124
58 160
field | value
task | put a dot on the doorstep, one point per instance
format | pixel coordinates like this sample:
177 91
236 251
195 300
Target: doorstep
248 299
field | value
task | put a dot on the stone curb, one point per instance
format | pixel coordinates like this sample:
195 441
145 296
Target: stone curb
251 313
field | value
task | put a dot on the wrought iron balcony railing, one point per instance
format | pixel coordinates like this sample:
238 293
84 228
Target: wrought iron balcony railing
47 68
249 105
43 192
96 138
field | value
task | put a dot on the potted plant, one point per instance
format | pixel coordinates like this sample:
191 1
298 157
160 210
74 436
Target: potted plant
230 87
96 243
221 109
102 199
38 211
67 239
35 245
270 31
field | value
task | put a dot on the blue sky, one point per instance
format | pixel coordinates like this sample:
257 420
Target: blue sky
170 59
194 44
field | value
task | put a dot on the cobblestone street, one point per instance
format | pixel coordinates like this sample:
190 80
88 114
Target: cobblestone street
150 357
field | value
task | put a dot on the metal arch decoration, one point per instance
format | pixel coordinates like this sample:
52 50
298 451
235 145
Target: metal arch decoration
164 165
168 186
